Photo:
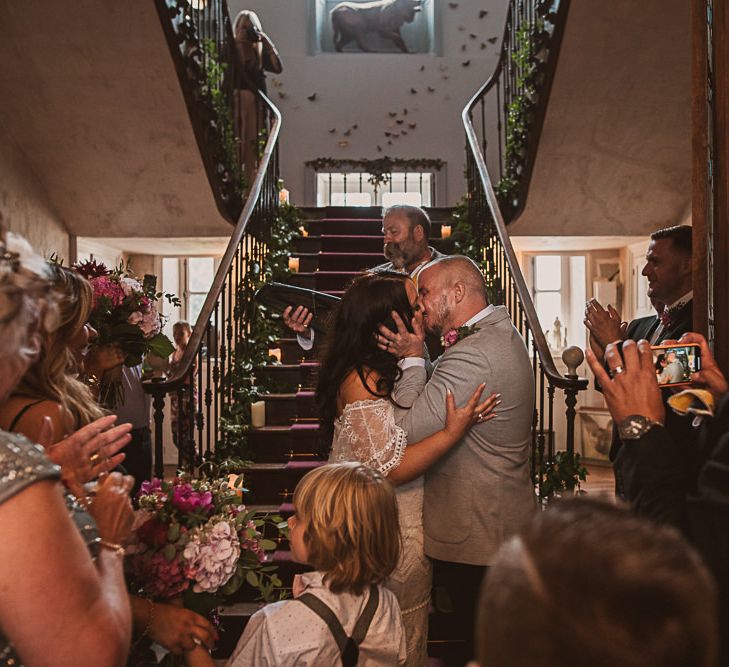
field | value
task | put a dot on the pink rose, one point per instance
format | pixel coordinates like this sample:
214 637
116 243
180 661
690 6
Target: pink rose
450 338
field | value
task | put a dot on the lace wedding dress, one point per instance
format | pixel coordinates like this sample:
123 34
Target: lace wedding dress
366 432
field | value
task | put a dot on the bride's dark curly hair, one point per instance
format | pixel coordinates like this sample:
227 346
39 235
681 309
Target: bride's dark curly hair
352 341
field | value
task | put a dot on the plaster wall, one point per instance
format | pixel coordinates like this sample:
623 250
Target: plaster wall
89 94
615 153
361 89
24 205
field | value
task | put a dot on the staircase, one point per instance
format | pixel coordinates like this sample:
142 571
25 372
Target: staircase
341 243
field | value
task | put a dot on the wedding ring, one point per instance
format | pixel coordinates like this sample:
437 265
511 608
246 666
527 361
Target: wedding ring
196 641
480 416
617 371
94 458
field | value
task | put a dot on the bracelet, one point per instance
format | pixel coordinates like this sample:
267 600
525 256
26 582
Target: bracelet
150 618
111 546
148 627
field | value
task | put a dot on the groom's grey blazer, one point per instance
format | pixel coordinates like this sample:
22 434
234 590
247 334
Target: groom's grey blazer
480 492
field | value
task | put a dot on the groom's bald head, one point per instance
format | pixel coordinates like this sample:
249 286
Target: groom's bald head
452 290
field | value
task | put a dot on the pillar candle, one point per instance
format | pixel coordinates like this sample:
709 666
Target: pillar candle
303 231
275 352
294 264
283 196
258 414
445 231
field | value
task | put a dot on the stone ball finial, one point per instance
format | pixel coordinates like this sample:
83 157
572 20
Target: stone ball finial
573 357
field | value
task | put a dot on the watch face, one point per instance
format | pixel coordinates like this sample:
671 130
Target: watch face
634 426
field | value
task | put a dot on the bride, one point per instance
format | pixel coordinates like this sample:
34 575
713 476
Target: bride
358 403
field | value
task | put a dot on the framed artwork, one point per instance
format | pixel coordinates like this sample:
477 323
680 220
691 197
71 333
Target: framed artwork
596 430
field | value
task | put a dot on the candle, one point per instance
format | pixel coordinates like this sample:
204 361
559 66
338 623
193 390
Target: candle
445 231
283 196
275 352
303 231
258 414
294 264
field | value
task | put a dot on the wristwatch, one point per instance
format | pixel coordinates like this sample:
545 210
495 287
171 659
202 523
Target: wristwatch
635 426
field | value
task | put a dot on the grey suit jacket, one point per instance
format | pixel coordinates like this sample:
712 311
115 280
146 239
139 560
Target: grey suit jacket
480 492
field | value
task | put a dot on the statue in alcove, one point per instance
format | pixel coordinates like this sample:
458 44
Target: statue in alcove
353 20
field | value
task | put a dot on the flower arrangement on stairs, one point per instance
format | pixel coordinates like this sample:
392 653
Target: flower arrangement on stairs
251 352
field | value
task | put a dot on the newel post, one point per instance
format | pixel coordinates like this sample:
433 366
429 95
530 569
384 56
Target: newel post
572 357
158 405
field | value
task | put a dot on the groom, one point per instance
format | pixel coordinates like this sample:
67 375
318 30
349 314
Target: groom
480 492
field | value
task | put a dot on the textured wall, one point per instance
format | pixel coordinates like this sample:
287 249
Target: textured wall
24 204
615 155
362 88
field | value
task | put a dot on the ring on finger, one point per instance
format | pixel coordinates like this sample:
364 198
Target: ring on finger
196 641
616 371
94 458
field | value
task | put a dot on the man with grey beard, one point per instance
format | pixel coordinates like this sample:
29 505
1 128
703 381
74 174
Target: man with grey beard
406 230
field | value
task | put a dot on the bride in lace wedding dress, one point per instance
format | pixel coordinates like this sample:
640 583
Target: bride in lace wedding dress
358 403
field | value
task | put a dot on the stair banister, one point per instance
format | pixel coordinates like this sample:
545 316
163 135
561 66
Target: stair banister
511 78
261 200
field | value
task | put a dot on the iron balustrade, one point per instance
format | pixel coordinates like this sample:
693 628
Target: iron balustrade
487 212
200 382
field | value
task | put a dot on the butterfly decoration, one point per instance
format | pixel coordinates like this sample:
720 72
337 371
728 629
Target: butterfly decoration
466 63
311 97
482 13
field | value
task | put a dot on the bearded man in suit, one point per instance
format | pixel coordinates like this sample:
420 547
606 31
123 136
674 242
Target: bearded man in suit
481 491
669 273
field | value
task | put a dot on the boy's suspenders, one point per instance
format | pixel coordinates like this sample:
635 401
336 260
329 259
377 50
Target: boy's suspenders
348 646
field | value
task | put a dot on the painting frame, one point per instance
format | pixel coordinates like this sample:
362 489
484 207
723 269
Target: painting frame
595 432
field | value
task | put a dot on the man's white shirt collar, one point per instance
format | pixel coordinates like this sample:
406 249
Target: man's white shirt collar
480 315
682 301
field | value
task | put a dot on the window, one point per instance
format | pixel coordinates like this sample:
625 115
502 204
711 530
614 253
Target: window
419 35
190 278
354 189
559 289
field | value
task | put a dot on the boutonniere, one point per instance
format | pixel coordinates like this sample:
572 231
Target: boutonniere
452 336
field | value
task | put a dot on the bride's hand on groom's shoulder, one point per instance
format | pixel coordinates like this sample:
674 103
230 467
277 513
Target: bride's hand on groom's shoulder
403 342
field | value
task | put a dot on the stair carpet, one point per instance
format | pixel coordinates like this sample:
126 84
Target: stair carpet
337 249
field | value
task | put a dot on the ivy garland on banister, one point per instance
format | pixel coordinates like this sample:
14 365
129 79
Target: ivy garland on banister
379 169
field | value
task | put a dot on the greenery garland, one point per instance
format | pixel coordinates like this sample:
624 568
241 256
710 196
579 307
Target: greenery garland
379 169
251 352
520 112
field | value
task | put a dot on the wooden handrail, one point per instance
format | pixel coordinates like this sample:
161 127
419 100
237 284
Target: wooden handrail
183 369
545 356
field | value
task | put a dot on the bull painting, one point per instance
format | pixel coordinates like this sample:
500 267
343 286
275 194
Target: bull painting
353 20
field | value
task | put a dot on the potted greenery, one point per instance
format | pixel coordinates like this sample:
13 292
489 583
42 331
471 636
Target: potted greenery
562 475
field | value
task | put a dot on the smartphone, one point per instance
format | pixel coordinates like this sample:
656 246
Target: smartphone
675 363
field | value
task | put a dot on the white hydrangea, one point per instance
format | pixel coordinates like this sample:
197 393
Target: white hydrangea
130 285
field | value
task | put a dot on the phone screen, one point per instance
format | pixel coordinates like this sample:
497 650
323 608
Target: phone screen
675 363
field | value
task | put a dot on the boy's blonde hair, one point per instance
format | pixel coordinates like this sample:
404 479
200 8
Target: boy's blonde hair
351 529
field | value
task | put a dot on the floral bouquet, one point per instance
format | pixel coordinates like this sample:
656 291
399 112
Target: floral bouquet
124 311
194 538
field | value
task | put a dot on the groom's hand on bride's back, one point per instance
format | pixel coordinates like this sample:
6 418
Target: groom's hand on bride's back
298 320
403 342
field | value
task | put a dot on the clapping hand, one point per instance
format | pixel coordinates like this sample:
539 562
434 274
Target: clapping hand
298 320
459 420
89 452
631 388
112 508
402 343
605 326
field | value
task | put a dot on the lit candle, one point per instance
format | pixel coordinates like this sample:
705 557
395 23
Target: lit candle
445 231
275 352
294 264
303 231
283 196
258 414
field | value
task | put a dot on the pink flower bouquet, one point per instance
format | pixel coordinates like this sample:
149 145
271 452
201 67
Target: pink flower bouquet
194 536
125 313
